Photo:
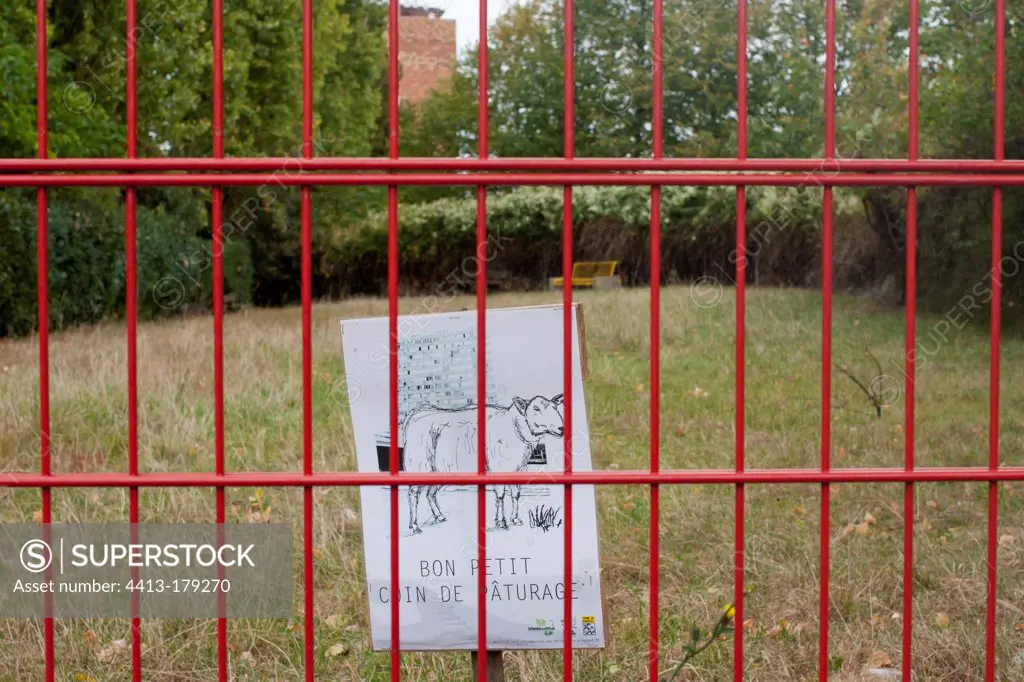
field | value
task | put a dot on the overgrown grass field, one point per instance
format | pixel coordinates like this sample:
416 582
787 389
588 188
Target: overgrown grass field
263 371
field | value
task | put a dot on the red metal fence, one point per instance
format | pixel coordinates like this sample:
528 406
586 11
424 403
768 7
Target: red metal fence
393 171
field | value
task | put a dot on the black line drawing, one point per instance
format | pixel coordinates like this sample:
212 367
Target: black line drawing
437 439
545 517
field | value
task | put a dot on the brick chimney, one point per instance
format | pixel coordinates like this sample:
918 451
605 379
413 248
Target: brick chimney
426 52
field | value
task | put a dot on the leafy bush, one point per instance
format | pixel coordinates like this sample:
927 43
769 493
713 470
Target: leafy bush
17 264
609 223
175 267
86 262
83 248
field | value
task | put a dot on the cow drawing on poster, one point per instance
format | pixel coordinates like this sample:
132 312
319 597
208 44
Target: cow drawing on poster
445 440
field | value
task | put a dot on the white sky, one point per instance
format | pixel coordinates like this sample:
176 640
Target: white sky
466 14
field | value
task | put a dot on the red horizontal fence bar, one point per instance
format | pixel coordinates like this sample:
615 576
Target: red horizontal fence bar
618 477
524 179
290 164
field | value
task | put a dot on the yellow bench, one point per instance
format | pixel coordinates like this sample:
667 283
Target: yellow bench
595 274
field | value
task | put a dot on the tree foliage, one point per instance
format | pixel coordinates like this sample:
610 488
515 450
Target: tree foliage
786 114
86 78
614 117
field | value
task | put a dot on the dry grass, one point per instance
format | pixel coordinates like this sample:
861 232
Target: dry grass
263 432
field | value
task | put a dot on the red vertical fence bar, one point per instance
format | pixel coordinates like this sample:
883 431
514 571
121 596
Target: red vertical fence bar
657 130
826 336
131 315
307 336
910 287
481 349
43 313
569 143
565 175
396 656
741 343
218 315
997 290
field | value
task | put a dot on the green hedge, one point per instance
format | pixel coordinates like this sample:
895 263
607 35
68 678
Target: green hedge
86 262
525 229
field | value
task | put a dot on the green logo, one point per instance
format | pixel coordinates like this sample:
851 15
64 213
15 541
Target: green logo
543 625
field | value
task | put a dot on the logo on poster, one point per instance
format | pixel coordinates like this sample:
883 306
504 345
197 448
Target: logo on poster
543 625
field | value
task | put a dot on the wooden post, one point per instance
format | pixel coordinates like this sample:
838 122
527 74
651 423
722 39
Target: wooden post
495 666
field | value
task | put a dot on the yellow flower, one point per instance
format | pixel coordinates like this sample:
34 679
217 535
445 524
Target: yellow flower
729 610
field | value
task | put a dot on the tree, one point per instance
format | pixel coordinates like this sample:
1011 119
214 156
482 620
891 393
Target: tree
87 66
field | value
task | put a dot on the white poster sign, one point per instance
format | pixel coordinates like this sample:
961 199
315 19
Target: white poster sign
437 525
